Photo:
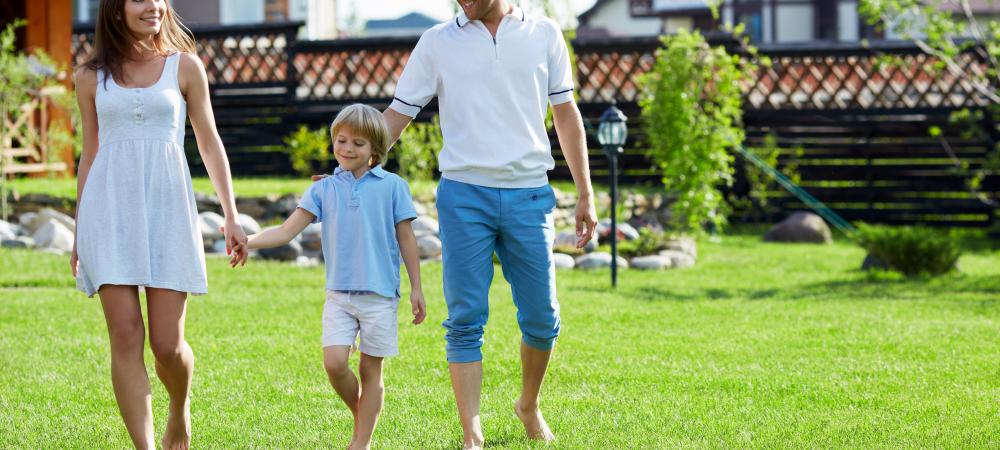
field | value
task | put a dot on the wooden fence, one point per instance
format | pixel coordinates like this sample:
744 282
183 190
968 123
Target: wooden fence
862 126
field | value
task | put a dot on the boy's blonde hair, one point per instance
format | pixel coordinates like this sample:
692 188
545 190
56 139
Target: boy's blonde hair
367 122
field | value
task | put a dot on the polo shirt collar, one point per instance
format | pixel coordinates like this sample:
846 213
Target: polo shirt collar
377 171
515 11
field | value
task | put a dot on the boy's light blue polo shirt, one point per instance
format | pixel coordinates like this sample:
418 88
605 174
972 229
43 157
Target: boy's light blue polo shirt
359 220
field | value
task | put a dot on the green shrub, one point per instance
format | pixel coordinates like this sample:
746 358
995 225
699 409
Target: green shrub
649 243
418 150
910 250
24 78
306 148
692 113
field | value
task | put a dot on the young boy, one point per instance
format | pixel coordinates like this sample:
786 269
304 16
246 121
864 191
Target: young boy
365 214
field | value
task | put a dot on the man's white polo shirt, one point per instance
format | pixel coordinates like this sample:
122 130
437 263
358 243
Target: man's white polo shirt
493 96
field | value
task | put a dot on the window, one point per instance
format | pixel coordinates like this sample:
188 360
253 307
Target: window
85 11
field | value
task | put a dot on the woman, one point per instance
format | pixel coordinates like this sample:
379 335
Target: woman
137 224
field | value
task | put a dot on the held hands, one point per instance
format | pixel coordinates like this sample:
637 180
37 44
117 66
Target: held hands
236 243
418 305
586 220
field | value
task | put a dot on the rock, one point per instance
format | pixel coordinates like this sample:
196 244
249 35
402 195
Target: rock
218 247
206 202
628 231
19 242
651 262
311 238
563 218
664 215
598 260
288 252
49 214
210 223
684 245
283 206
563 261
424 225
678 260
564 199
305 261
592 244
568 239
640 204
25 219
646 220
873 262
565 239
428 246
8 231
625 231
253 207
250 226
420 209
800 227
602 200
54 235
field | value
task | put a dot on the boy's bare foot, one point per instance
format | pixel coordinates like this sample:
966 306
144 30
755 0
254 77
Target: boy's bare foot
534 424
177 435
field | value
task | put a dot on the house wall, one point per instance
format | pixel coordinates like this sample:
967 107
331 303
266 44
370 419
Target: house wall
197 12
614 17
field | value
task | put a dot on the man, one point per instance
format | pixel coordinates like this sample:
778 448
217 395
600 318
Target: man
495 69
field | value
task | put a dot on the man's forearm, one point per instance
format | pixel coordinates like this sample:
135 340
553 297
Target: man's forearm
573 141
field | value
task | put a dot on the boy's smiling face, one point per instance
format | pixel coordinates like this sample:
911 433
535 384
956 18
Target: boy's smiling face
353 151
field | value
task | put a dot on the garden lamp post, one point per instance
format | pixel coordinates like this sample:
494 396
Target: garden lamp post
611 134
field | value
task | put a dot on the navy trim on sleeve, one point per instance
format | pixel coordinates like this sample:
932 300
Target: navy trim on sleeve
407 104
554 93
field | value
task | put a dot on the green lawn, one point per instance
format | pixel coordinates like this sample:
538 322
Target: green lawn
760 345
244 186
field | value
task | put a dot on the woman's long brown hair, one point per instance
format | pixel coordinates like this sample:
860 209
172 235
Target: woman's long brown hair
113 40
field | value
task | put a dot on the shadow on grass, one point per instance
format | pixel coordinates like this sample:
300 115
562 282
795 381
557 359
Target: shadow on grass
505 440
858 289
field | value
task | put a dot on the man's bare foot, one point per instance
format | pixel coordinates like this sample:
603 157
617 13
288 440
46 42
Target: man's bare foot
177 435
534 424
476 441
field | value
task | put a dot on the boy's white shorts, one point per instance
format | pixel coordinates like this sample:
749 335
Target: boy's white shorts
345 314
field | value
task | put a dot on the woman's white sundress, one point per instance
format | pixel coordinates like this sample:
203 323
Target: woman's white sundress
137 223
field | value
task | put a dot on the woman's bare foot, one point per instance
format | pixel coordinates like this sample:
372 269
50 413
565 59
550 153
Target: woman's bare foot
534 424
177 435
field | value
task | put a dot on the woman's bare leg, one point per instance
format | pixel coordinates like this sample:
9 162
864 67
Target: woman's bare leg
174 361
126 333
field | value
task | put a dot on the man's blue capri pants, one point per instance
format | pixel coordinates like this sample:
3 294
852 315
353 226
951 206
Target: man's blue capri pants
476 221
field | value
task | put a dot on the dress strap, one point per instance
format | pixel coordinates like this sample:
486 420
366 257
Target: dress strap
171 69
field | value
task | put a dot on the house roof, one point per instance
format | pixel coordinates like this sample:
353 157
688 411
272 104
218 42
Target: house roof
658 8
410 21
584 17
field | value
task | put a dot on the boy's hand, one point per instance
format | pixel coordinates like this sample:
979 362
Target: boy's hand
419 306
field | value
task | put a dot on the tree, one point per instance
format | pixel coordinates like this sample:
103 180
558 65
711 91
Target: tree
947 29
